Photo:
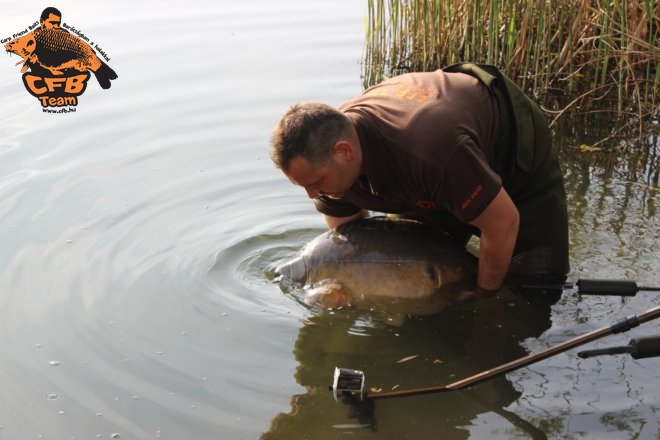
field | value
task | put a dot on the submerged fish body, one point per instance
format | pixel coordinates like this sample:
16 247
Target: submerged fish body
376 260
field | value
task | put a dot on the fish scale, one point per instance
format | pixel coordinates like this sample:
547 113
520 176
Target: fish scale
58 40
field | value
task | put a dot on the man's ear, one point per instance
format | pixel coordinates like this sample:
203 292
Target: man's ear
343 151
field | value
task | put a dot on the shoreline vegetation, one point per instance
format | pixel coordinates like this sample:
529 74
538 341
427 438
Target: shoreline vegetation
572 56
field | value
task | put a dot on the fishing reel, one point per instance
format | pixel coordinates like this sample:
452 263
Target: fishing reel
348 388
348 384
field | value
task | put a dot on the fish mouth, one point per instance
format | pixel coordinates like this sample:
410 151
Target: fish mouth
292 273
278 276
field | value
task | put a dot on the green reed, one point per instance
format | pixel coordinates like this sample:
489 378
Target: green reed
592 49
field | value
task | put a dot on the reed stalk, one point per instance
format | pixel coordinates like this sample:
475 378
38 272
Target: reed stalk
598 47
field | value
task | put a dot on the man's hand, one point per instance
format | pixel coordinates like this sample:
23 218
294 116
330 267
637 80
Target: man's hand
474 294
498 224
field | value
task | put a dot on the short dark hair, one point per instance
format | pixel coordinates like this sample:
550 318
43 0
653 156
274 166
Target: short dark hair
308 130
49 10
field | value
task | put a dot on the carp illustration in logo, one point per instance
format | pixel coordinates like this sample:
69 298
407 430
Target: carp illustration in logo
58 62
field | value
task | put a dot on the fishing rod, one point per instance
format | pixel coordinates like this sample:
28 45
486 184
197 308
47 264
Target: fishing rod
596 287
349 383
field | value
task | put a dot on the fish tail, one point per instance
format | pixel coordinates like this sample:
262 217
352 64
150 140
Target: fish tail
104 74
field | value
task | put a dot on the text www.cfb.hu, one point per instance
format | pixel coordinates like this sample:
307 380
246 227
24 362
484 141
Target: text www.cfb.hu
62 110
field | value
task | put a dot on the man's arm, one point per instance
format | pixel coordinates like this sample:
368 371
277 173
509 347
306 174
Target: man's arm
333 222
498 224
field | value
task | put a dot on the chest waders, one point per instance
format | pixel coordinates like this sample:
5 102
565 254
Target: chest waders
515 140
528 164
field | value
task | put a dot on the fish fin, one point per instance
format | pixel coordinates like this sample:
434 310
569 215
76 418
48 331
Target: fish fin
104 74
333 295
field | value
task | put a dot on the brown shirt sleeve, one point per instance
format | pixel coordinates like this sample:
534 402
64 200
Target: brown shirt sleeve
468 184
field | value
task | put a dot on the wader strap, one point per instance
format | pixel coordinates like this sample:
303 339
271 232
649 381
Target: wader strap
517 106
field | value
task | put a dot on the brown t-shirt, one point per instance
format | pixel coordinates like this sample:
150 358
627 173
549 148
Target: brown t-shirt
427 140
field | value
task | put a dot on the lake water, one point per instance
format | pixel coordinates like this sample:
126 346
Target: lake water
139 234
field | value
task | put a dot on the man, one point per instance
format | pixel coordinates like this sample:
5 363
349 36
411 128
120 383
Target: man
460 148
51 18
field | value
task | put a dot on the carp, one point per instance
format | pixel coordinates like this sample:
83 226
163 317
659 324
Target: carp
377 260
57 50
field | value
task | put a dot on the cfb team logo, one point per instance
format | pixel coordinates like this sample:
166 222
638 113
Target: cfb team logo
56 63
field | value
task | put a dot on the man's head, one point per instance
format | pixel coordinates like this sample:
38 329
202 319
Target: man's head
51 18
308 130
316 146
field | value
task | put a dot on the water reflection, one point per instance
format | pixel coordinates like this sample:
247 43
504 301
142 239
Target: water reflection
456 343
612 187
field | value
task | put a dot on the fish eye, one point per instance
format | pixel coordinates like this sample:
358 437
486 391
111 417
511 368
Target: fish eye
434 275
